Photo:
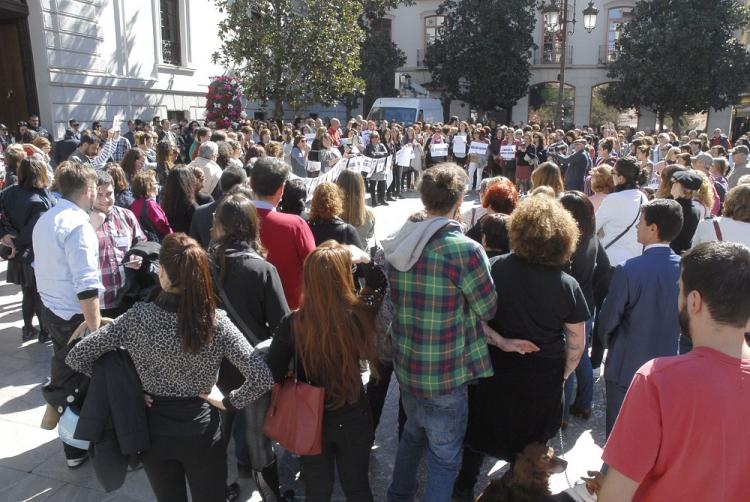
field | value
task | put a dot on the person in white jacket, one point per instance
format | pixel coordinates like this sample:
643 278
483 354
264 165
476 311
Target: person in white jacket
618 214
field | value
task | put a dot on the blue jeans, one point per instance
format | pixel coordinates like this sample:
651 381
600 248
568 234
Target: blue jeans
439 425
584 376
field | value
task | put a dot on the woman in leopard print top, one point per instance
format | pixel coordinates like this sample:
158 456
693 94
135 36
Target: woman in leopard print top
177 344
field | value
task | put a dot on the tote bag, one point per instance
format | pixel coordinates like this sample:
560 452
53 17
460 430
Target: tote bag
295 417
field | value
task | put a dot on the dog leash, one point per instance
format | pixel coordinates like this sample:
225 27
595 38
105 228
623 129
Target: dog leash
562 449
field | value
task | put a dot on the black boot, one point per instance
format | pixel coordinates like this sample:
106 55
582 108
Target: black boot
267 482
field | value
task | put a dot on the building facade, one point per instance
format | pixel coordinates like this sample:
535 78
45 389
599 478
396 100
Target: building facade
100 59
104 59
586 74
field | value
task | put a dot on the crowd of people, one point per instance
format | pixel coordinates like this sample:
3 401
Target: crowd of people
201 266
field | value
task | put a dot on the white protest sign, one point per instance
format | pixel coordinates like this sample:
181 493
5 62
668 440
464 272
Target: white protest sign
345 141
459 146
117 121
439 149
365 138
404 156
508 152
478 148
313 166
310 137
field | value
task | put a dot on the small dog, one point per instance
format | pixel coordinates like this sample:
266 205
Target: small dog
528 480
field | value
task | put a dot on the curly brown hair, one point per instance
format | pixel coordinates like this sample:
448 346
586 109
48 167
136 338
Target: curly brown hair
326 202
601 179
542 231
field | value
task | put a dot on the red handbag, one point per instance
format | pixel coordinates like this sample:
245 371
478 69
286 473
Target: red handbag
295 416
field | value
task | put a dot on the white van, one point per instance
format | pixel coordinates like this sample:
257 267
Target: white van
407 110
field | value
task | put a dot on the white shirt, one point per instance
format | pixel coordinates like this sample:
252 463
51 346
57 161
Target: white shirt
618 211
657 245
211 172
66 258
731 231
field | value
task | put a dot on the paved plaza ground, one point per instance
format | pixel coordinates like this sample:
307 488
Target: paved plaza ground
32 464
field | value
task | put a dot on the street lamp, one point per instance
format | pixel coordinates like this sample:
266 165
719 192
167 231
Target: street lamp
551 15
589 17
555 19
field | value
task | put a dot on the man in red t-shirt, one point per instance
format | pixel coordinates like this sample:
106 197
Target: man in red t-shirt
335 131
287 237
682 431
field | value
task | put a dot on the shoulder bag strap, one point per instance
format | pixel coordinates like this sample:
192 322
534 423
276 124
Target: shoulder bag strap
248 331
717 229
638 215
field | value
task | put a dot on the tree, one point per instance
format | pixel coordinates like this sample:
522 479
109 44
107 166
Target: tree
380 56
482 57
677 57
292 51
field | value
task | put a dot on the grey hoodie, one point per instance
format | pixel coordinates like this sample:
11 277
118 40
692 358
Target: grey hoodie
403 249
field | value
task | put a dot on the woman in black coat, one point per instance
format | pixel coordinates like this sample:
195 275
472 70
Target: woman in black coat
590 267
21 207
325 223
250 291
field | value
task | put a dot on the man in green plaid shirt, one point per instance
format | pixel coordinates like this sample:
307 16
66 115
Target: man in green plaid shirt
441 290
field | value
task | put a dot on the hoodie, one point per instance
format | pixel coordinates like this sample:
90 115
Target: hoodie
403 249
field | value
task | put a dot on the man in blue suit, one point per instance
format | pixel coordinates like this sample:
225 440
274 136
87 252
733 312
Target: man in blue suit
639 319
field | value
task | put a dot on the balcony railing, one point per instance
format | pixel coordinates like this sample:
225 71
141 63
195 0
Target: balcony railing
608 53
552 56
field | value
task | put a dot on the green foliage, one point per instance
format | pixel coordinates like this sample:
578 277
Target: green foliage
292 51
678 57
482 57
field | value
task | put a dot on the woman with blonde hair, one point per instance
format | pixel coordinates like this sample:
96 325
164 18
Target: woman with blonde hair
669 159
548 174
325 222
602 184
704 197
355 211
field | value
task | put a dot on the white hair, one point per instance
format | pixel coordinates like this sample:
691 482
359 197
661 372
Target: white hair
208 150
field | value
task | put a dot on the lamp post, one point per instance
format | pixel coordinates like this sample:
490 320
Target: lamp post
556 18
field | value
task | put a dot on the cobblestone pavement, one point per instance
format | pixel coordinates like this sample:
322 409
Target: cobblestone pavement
32 464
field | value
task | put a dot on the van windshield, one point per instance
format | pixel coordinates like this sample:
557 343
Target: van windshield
393 114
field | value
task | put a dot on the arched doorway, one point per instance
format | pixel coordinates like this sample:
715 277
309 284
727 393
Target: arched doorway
543 102
18 97
602 114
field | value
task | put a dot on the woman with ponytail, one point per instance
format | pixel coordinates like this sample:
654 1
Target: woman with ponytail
177 344
332 333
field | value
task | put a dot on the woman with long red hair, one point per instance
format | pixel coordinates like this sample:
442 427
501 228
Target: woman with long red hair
332 332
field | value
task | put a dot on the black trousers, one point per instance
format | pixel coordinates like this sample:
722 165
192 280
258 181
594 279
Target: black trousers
65 386
377 191
395 187
31 305
199 458
471 464
406 178
347 438
377 391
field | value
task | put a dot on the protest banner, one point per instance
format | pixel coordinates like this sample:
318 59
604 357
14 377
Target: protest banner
439 149
478 148
459 146
404 156
508 152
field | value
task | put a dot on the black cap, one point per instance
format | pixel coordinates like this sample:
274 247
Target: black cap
3 126
688 179
23 124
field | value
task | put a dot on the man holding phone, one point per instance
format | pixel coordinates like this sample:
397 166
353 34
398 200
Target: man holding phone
117 230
